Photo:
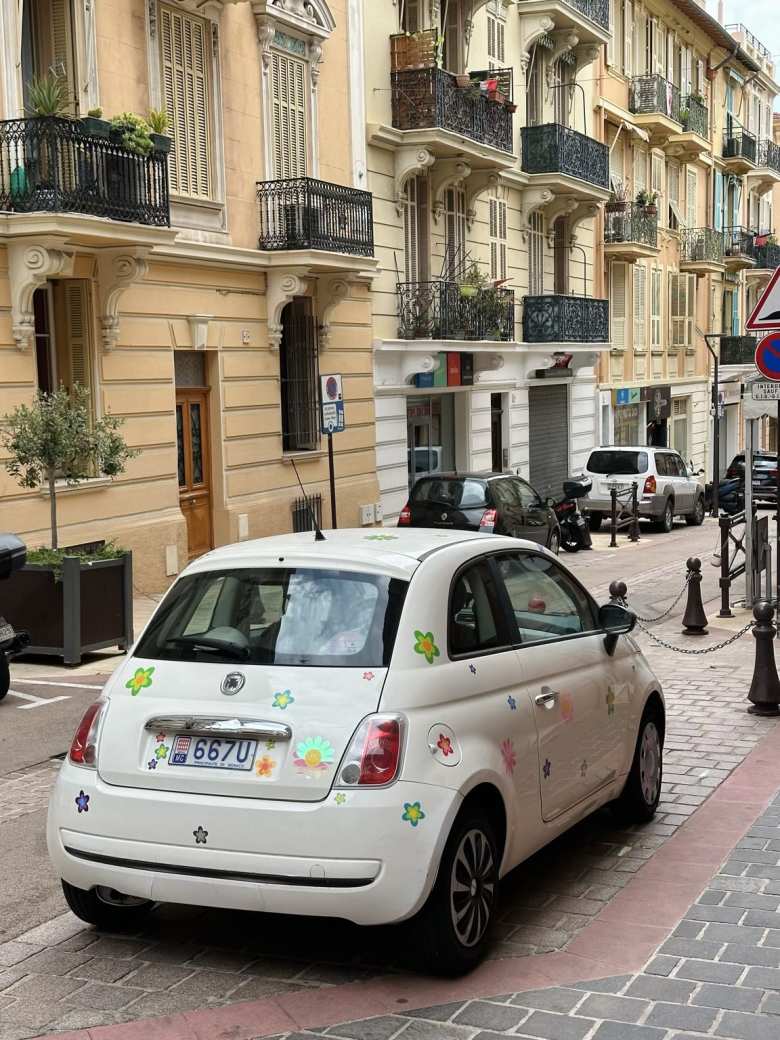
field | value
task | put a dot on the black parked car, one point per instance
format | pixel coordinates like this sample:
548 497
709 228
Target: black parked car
764 474
498 503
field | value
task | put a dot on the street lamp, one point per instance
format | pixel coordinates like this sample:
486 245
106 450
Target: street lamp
707 336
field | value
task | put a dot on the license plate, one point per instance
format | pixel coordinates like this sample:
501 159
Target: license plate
212 752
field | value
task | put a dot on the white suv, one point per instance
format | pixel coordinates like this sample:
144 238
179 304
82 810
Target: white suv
666 486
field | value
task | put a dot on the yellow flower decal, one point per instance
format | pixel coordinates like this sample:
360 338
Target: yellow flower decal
611 702
265 766
426 646
141 679
314 753
413 813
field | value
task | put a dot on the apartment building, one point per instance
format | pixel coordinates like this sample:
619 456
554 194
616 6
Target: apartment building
200 294
488 174
688 231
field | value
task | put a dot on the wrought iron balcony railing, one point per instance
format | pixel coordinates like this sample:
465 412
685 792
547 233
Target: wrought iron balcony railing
565 319
632 224
738 241
701 244
738 350
596 10
553 148
50 164
304 213
768 154
427 98
651 94
694 115
739 142
440 310
766 254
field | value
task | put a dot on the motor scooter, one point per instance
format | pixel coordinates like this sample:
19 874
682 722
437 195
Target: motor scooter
13 554
575 533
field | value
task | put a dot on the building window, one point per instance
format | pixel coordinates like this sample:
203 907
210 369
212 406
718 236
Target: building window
673 189
680 425
691 183
640 170
48 46
496 45
682 304
288 97
536 254
185 49
640 308
63 339
497 239
657 165
299 374
655 307
415 205
617 305
412 17
454 232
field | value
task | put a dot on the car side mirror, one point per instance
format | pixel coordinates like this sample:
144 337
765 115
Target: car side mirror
616 621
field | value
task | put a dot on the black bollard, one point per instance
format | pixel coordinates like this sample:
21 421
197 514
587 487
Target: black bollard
634 535
618 590
613 518
694 618
765 687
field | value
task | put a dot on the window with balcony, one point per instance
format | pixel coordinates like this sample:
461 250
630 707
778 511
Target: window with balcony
673 191
691 191
299 377
535 254
454 231
289 117
496 47
48 45
415 205
682 309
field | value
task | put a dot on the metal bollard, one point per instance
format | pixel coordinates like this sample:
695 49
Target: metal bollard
725 579
694 618
765 688
618 590
634 535
613 519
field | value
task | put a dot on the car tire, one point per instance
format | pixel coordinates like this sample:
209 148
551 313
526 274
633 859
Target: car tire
696 518
555 543
110 911
666 522
447 944
5 676
640 797
594 520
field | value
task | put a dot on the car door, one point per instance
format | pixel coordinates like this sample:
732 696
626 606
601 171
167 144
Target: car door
684 485
533 512
579 701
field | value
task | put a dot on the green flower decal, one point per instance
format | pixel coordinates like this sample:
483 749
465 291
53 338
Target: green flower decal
340 799
413 813
141 679
426 646
161 751
283 699
381 537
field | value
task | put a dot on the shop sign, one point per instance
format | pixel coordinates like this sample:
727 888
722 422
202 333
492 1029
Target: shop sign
455 368
659 402
628 395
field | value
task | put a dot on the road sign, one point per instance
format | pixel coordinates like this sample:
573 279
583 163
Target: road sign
766 313
332 404
768 356
765 391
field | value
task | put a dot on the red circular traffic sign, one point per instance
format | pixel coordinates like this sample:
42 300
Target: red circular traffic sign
768 356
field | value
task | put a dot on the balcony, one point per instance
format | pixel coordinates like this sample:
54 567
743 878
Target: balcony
694 139
630 233
739 150
566 161
738 248
765 253
655 103
767 172
701 251
738 350
589 19
430 99
565 319
442 311
307 214
50 165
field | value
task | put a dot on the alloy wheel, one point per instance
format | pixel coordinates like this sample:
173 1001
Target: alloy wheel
472 887
650 763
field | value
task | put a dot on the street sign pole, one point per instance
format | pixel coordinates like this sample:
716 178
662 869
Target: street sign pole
332 473
777 504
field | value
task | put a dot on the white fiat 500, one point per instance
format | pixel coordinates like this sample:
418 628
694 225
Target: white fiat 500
374 727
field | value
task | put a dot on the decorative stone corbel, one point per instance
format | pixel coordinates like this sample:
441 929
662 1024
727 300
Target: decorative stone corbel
199 330
448 173
587 54
560 206
531 200
29 266
315 60
116 269
478 183
566 40
585 211
280 288
265 35
417 364
485 363
532 26
409 162
330 293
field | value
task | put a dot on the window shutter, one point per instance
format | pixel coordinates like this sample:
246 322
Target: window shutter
411 234
61 48
613 4
628 28
77 332
184 51
690 309
500 42
657 166
617 300
690 198
655 307
288 81
718 201
491 26
674 304
640 170
640 307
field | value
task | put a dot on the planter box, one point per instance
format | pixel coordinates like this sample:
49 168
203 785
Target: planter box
93 126
161 142
90 608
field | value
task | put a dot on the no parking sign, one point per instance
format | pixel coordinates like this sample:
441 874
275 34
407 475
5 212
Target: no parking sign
331 404
768 356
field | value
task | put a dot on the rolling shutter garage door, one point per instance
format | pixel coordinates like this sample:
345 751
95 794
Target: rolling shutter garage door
548 415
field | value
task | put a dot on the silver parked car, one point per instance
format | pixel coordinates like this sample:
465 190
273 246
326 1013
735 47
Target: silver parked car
666 486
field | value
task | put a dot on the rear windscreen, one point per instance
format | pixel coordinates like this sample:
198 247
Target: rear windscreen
625 462
457 494
279 616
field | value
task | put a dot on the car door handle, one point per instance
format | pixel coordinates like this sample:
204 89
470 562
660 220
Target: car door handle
547 698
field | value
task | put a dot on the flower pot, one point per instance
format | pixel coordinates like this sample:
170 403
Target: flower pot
651 210
462 81
616 207
469 290
161 142
510 106
93 126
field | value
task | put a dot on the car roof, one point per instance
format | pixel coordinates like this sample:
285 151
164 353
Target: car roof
393 551
485 477
633 447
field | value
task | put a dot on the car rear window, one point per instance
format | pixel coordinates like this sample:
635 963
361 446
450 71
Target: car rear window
457 494
280 616
627 462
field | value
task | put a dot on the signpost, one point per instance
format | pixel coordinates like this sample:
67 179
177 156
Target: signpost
331 421
766 314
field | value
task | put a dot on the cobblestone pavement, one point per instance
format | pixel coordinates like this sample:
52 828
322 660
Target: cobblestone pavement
718 975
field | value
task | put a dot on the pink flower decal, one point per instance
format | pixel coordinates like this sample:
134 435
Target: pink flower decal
444 744
368 675
509 756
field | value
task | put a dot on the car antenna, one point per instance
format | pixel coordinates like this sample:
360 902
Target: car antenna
318 535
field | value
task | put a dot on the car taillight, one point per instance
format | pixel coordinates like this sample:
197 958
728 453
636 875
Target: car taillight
488 519
731 472
650 486
772 473
405 516
83 750
373 757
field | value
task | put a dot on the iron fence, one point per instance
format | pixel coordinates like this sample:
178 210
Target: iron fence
739 142
768 154
552 148
440 310
596 10
632 224
738 241
565 319
304 213
737 350
302 509
766 254
694 115
701 244
651 94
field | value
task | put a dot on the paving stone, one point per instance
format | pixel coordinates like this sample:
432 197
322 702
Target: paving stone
762 918
615 1031
613 984
652 988
545 1026
697 948
440 1012
746 1027
103 969
381 1028
720 914
688 930
752 901
762 978
741 954
681 1016
708 971
772 937
117 948
43 987
486 1015
554 999
732 933
662 965
103 997
728 998
54 962
13 952
210 985
156 976
622 1009
422 1030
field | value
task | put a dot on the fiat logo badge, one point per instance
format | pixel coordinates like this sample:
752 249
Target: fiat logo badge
233 683
444 516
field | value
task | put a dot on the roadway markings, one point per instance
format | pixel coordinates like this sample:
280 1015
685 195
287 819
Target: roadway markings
36 702
67 685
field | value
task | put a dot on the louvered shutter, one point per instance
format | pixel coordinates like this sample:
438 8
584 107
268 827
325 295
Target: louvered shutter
655 307
76 311
690 198
61 43
491 26
690 308
411 235
184 56
502 211
500 42
493 231
288 82
613 5
628 29
640 307
617 301
640 170
718 201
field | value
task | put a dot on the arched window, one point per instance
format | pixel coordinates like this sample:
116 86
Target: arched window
299 372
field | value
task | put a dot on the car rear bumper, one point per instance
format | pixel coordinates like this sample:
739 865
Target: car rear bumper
651 507
356 858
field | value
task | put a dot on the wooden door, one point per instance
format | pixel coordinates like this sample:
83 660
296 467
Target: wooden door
192 439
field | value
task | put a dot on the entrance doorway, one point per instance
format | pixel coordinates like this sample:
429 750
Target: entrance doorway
430 430
192 445
497 432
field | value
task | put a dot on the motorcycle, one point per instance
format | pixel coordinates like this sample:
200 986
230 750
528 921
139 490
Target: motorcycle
13 554
575 533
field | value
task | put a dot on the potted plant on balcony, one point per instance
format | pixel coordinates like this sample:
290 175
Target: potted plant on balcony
684 113
33 181
648 201
158 122
94 125
619 201
132 132
70 601
472 281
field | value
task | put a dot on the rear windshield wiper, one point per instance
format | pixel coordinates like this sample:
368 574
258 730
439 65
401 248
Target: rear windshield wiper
210 643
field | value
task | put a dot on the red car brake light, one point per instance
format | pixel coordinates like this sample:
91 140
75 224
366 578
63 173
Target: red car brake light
374 755
650 486
488 519
83 750
405 516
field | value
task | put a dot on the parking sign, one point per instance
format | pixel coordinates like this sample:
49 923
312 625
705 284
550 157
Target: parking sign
331 404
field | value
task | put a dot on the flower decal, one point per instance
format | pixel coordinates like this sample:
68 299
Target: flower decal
314 753
160 738
444 744
82 802
200 836
283 699
426 646
584 768
413 813
270 745
611 702
509 756
567 707
152 763
141 679
547 768
512 703
265 766
381 537
368 676
473 669
161 751
341 799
